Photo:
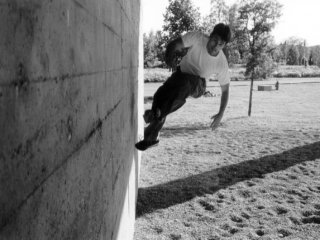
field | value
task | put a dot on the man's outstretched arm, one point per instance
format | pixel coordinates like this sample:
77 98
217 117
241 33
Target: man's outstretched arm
223 104
174 48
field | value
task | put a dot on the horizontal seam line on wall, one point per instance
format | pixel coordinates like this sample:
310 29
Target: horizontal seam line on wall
63 77
98 124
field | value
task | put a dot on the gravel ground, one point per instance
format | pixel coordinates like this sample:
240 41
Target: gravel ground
254 177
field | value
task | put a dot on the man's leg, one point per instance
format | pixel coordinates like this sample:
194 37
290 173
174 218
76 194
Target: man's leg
168 98
151 132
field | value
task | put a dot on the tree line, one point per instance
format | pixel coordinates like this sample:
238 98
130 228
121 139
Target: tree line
251 23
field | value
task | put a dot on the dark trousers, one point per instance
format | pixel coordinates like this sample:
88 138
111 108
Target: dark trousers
170 97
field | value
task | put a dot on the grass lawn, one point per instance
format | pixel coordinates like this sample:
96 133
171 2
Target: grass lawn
252 178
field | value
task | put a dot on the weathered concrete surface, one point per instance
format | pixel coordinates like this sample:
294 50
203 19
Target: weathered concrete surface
68 118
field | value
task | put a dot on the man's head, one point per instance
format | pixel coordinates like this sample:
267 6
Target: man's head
219 37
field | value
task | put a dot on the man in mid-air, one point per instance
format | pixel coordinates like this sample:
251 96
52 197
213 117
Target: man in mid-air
204 57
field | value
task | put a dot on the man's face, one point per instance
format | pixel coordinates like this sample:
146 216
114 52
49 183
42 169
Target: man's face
215 45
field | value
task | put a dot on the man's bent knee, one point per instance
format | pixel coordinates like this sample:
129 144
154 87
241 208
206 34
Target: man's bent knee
176 105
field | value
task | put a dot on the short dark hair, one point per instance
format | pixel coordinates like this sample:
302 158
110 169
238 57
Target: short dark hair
223 31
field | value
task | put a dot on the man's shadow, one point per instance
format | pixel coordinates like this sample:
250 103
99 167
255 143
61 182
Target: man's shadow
179 191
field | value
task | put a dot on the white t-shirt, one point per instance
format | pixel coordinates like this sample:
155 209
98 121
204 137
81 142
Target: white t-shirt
199 62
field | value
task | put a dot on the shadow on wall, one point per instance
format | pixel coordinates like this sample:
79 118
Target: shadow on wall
165 195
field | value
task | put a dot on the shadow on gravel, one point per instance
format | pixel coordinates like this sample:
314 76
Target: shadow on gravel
174 131
191 129
179 191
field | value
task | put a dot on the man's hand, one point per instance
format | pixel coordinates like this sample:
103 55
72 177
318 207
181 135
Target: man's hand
223 104
216 121
174 48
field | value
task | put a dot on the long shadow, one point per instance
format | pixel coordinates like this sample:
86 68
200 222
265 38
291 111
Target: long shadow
168 132
192 128
175 192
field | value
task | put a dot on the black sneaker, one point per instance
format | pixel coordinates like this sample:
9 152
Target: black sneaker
144 145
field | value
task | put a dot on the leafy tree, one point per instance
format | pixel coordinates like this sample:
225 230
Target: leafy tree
295 41
153 48
293 51
256 20
314 58
181 16
148 48
239 44
303 52
233 55
160 45
293 56
207 24
300 45
219 12
266 66
277 54
310 61
283 52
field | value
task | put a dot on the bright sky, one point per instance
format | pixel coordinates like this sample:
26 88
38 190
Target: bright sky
300 18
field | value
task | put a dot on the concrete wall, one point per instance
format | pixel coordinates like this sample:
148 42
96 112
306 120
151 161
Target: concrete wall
69 102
